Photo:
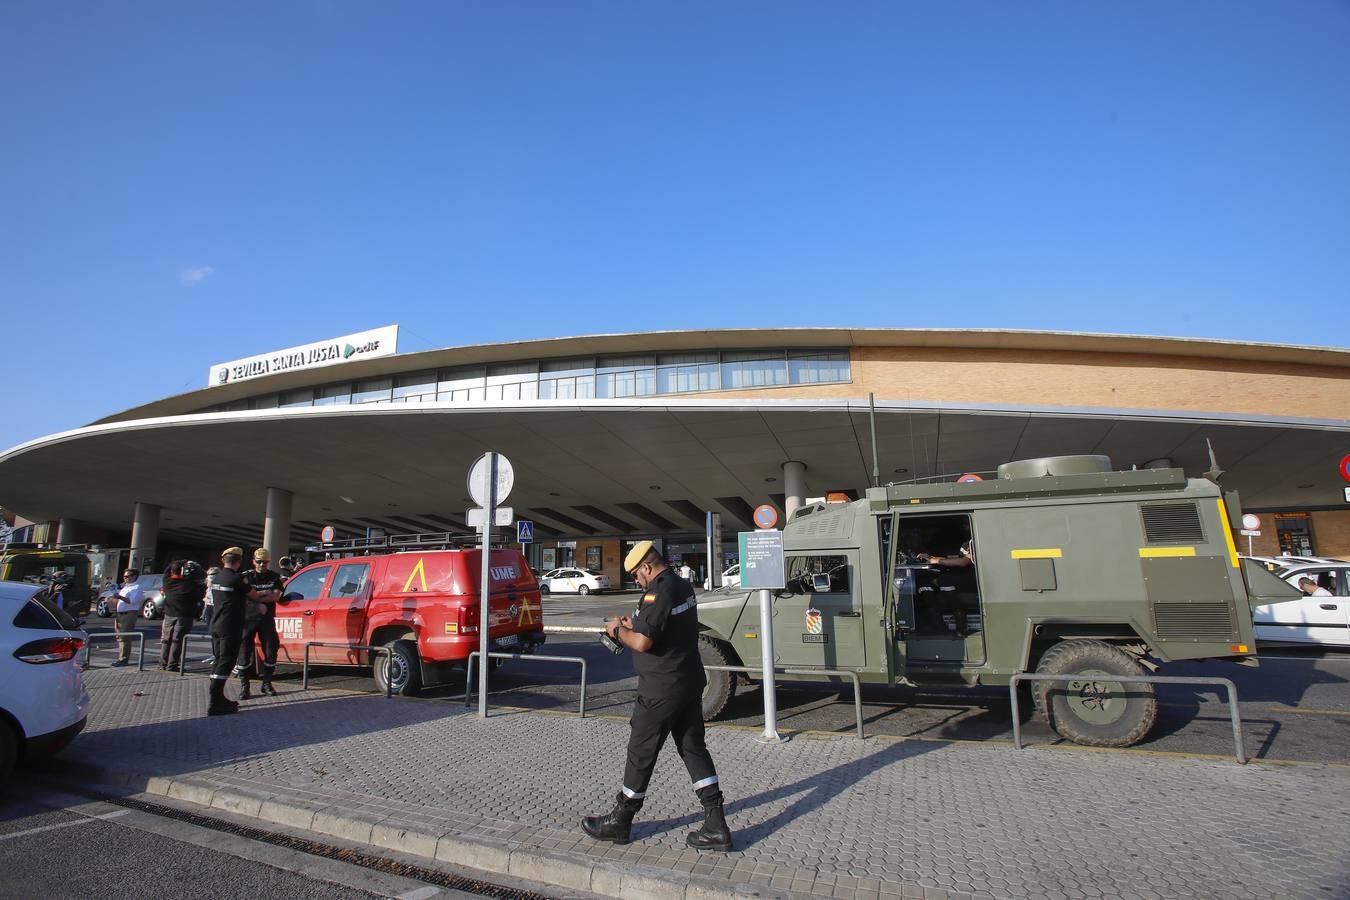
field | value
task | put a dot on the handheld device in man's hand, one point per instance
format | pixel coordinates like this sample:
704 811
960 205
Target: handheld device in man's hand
612 645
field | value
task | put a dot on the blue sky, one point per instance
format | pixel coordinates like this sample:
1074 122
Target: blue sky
186 183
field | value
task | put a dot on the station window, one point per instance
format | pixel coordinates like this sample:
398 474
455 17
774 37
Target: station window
377 390
300 397
333 395
455 384
754 368
625 376
814 368
683 372
266 401
415 388
567 379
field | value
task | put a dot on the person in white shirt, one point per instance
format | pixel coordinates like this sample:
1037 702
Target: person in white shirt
1312 588
129 598
687 572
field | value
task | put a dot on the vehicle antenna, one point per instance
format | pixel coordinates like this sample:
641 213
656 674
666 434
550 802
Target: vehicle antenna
1214 473
872 418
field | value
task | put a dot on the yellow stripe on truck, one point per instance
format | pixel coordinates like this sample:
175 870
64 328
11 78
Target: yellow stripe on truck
1042 553
1152 552
1227 533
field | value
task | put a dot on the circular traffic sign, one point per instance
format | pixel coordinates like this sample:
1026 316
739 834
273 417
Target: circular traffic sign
766 516
1251 522
478 478
1345 467
327 534
969 478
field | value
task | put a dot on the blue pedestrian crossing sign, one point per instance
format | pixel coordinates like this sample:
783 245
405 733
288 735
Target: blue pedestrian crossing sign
524 531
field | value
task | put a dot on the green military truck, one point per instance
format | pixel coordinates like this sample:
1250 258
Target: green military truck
1077 569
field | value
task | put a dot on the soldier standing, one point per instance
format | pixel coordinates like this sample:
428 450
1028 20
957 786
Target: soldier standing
230 594
663 635
260 620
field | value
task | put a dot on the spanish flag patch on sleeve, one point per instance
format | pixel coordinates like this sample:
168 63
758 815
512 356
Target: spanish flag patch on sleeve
648 598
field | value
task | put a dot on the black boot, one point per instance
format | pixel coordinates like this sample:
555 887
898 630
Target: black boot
714 834
219 706
244 692
616 825
266 688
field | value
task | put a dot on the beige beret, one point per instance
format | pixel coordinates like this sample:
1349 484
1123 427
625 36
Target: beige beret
636 555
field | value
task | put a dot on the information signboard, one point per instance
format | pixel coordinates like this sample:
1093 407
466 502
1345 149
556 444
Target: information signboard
762 560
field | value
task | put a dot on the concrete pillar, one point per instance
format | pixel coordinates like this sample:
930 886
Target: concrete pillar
144 536
68 531
277 524
794 486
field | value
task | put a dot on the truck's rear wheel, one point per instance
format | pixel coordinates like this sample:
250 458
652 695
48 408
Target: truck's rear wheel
1096 711
721 686
407 674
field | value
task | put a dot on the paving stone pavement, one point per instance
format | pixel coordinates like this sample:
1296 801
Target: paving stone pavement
819 815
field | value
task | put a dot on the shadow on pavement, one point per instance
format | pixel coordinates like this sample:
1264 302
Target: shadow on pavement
815 791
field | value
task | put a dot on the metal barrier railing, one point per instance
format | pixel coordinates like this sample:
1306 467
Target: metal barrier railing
388 662
1239 750
839 673
101 635
182 654
469 670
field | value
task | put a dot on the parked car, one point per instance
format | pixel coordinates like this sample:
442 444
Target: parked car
152 601
1305 619
43 701
731 578
569 580
423 606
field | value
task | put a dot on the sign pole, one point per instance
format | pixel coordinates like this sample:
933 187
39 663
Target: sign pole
762 568
485 600
770 735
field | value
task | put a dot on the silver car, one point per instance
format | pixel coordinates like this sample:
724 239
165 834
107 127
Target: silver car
152 600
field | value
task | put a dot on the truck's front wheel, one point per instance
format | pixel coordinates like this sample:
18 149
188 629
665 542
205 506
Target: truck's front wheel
1095 711
406 678
721 686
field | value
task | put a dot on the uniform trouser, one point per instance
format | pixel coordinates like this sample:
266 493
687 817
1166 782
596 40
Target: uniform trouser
656 718
224 647
125 623
172 635
265 627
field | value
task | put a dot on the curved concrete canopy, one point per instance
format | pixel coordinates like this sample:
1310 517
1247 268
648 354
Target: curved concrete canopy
650 465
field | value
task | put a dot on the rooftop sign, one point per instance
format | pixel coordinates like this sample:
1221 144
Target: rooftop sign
362 345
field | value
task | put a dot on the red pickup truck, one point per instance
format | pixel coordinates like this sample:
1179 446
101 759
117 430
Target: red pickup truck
422 605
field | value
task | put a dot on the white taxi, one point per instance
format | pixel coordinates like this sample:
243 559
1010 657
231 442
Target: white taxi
569 580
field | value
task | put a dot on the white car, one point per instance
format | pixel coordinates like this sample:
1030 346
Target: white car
1308 619
731 578
569 580
43 701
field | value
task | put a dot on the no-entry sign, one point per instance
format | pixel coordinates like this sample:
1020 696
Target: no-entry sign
1345 467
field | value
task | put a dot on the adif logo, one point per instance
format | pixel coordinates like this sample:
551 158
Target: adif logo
348 351
503 573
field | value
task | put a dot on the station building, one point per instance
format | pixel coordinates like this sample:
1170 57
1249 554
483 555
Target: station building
619 438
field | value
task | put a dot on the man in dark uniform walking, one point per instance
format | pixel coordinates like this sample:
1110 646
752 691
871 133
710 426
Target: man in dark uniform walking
260 620
230 593
663 635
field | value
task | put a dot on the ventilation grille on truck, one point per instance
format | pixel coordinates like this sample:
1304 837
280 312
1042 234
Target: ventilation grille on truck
826 523
1172 523
1193 622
